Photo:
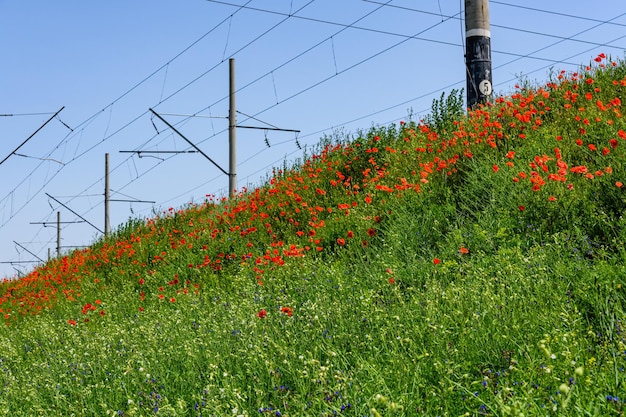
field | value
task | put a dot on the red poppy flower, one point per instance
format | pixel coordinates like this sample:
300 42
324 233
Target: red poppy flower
287 310
436 261
261 314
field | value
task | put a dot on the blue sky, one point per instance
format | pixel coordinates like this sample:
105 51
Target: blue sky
318 66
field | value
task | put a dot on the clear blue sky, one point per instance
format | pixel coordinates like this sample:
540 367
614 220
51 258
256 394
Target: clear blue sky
317 66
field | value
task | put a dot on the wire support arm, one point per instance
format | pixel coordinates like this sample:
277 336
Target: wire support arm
189 142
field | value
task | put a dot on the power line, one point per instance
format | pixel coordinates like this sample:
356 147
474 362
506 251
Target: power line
495 25
534 9
563 40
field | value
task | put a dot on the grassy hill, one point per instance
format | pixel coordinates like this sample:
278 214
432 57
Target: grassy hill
469 264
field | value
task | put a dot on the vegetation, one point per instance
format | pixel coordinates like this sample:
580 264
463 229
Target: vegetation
471 266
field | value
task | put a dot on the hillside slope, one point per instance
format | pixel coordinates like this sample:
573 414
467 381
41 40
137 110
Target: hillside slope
466 265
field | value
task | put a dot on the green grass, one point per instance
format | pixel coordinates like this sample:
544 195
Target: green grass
467 267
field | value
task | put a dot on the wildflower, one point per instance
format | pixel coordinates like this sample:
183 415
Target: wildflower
522 208
436 261
341 241
72 322
619 184
495 168
287 310
463 250
261 314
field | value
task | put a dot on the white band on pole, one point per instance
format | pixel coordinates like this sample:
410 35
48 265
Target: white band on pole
478 32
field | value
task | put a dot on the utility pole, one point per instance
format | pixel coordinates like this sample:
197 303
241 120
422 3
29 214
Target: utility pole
232 138
232 132
108 199
58 234
478 52
107 226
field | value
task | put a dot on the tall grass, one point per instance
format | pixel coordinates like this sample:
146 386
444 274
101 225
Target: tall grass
469 265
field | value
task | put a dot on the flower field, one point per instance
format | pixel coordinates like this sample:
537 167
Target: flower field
469 264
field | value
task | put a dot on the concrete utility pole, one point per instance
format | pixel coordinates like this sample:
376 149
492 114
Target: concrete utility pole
478 52
232 133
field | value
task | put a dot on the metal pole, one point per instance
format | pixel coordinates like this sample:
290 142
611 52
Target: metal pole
232 137
107 226
58 234
478 52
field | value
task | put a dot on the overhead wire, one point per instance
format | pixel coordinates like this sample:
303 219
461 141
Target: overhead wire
495 25
555 13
